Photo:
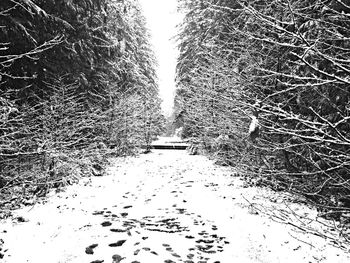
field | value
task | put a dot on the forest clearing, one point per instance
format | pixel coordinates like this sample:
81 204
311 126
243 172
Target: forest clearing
168 206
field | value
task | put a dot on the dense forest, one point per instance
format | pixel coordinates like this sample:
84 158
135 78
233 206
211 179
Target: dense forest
283 67
77 82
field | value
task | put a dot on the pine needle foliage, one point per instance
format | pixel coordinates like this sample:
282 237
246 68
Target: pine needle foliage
290 62
77 81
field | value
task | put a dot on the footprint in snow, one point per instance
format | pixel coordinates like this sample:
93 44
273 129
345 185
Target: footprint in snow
190 256
118 230
117 258
181 210
204 241
98 213
90 249
117 244
106 223
203 233
175 255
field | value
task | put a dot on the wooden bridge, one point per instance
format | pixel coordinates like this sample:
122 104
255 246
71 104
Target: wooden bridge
169 143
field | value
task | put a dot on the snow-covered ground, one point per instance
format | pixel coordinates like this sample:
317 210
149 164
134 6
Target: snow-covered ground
167 206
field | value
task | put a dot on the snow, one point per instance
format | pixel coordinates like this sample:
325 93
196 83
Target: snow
171 206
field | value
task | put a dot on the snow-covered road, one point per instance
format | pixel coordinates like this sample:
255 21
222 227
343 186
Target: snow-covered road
166 206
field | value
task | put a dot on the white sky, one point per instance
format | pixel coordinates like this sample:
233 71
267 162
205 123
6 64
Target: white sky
162 19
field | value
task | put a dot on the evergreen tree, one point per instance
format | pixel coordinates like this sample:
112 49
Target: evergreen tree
74 76
285 61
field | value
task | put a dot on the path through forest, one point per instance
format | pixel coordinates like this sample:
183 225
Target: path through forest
167 206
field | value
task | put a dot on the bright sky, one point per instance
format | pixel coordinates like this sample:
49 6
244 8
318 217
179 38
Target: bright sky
162 19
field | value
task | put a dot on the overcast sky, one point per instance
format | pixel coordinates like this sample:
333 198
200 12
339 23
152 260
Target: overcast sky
162 19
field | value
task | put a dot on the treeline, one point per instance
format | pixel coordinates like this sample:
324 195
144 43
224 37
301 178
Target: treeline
290 62
77 77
